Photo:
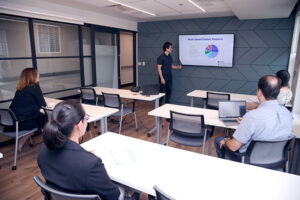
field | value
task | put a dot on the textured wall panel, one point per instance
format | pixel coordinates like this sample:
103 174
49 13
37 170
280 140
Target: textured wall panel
261 47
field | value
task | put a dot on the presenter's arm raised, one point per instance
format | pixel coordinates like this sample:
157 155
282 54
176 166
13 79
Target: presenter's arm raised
176 66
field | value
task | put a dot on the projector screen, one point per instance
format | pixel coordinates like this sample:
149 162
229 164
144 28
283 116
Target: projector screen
206 50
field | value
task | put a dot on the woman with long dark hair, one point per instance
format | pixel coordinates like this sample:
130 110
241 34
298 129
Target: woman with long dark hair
65 165
27 102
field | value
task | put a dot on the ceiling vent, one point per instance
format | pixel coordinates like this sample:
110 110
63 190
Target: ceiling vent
126 10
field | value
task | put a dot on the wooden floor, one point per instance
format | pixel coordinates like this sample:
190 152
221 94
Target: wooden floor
19 184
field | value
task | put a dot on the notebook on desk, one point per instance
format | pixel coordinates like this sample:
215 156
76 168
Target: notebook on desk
229 111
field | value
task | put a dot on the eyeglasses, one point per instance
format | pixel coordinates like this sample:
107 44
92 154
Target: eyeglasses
87 117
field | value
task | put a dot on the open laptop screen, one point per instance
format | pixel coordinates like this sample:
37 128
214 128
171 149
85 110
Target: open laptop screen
232 109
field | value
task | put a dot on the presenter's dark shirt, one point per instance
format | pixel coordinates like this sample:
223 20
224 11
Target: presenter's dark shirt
26 105
75 170
166 65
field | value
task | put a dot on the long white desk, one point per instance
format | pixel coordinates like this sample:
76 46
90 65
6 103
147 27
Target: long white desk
95 112
211 117
187 175
127 94
233 96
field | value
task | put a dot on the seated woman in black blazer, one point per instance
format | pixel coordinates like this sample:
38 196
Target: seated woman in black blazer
65 165
27 102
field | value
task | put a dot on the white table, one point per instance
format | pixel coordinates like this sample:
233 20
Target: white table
127 94
296 125
211 117
187 175
233 96
95 112
295 166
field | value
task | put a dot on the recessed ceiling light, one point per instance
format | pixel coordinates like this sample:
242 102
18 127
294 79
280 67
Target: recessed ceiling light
128 6
197 5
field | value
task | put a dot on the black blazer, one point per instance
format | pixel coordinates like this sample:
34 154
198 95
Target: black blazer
26 105
73 169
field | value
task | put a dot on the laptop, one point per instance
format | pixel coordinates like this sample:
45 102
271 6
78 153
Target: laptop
229 111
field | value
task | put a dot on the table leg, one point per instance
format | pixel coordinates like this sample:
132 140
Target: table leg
103 125
156 118
192 101
159 129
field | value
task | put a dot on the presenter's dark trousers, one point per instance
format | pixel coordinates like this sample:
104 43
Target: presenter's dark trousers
167 89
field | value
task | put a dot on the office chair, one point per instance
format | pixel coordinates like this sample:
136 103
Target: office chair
212 99
114 101
52 194
212 102
9 120
188 130
88 96
160 195
268 154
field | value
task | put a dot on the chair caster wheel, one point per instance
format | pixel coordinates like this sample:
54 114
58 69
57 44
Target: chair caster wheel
14 168
95 126
149 135
137 130
99 133
31 145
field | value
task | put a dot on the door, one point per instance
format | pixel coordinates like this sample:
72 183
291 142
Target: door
106 58
126 58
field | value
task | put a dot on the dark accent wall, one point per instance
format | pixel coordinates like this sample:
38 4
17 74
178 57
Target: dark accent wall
261 47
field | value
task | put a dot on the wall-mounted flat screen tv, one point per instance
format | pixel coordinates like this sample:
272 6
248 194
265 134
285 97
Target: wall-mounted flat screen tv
206 50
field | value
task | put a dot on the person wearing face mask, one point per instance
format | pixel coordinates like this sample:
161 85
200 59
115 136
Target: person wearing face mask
65 165
27 102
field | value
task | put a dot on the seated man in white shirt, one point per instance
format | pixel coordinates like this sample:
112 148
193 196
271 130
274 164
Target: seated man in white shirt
269 121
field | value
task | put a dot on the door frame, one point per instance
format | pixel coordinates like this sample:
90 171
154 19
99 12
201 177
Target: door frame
96 28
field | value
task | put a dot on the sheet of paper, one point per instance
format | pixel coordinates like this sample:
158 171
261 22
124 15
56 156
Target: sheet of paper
122 156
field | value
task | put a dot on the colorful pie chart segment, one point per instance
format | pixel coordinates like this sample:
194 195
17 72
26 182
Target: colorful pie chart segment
211 51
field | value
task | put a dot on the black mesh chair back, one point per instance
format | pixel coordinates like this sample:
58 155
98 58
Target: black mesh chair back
52 194
268 154
212 99
48 113
188 130
7 118
88 95
112 100
160 195
186 124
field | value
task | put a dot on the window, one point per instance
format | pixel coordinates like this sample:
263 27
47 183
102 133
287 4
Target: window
3 44
48 38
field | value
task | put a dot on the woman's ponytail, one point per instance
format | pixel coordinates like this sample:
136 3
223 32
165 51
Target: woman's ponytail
63 120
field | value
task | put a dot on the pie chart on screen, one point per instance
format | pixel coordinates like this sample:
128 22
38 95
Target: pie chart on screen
211 51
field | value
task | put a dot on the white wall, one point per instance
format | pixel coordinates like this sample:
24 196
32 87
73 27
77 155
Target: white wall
51 11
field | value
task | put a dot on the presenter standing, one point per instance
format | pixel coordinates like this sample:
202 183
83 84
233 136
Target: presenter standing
164 68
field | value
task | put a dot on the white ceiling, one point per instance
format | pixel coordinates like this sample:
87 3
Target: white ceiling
180 9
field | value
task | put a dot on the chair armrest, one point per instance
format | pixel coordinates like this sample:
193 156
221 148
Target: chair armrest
226 150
